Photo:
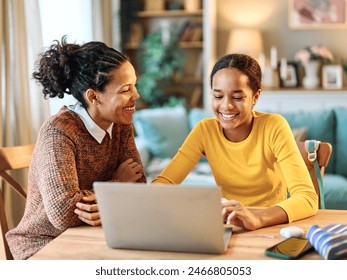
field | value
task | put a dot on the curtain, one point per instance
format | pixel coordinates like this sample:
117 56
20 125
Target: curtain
102 21
106 22
23 108
116 25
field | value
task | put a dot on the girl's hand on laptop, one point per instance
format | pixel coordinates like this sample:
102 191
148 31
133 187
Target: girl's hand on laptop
234 212
128 171
88 211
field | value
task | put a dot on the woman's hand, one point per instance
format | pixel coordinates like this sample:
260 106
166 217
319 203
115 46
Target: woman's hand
88 211
234 212
129 171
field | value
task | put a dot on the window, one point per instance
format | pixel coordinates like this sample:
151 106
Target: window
65 17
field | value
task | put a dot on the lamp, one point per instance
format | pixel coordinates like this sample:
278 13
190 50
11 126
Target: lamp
246 40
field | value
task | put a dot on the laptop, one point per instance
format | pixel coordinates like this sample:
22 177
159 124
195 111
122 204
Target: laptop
162 217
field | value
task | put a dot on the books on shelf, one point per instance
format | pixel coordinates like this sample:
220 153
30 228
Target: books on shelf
154 5
136 35
191 31
196 97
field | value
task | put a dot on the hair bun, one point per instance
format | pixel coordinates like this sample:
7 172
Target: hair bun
55 68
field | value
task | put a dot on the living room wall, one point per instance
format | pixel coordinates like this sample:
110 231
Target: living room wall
271 18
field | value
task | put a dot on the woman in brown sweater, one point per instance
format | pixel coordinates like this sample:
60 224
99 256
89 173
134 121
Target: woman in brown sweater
92 140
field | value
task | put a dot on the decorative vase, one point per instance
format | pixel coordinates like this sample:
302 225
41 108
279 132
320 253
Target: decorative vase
311 78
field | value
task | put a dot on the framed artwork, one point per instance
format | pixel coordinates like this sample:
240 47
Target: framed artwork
317 14
288 75
332 76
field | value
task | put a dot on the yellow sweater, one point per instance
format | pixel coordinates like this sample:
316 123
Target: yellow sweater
258 171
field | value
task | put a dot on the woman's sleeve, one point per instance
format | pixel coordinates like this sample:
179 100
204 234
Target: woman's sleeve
57 178
303 200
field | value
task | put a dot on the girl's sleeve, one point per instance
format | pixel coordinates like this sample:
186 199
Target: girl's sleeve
185 159
303 199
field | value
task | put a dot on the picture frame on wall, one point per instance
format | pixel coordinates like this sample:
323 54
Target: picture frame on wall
332 76
317 14
290 78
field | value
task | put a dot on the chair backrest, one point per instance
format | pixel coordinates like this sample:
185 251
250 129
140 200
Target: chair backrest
323 155
12 158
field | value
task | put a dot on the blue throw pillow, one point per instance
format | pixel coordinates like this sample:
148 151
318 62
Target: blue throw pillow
162 129
196 115
320 126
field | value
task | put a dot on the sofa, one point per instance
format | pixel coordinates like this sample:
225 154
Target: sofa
161 131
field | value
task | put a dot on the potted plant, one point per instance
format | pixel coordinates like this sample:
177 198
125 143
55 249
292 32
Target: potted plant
311 59
160 57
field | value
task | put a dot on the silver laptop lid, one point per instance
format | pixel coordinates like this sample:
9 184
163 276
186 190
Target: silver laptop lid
161 217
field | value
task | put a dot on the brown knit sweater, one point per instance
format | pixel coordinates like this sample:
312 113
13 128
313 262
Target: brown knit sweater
65 163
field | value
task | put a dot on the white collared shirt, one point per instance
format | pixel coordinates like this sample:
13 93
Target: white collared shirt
96 131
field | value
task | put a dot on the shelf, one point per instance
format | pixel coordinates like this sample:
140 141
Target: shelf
198 46
294 99
183 45
168 13
188 80
191 45
301 90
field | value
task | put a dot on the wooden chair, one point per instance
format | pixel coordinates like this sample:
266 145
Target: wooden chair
12 158
323 155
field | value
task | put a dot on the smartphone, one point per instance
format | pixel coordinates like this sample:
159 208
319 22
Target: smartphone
291 248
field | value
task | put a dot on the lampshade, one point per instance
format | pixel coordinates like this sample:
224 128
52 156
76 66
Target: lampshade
246 40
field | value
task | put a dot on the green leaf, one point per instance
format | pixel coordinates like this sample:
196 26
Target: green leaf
157 64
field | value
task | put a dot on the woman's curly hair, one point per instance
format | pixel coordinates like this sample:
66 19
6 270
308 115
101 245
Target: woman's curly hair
72 69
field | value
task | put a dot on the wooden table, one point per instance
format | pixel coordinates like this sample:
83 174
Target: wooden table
87 242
